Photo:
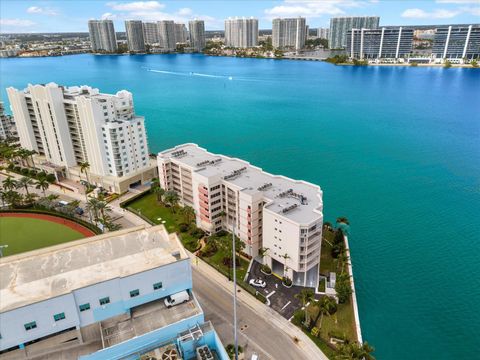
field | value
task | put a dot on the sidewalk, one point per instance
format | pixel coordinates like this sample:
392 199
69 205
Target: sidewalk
263 311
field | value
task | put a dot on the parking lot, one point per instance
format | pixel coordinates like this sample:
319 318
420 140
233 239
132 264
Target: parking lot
282 299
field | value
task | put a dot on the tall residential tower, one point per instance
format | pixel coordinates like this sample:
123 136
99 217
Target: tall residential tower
289 33
197 34
241 33
135 39
70 126
102 35
337 37
166 29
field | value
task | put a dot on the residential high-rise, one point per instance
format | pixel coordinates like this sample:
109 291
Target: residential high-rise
289 33
62 299
265 210
102 35
390 43
69 126
241 33
322 33
197 34
166 30
457 42
340 25
181 33
150 33
7 125
135 39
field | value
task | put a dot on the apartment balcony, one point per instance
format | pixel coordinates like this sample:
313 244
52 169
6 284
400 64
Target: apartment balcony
202 190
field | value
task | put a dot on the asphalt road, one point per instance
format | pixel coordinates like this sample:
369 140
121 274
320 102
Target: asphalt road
254 333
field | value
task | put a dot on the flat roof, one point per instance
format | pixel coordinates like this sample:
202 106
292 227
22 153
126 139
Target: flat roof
282 192
42 274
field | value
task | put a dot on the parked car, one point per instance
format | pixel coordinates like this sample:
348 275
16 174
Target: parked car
79 210
257 283
63 203
254 356
175 299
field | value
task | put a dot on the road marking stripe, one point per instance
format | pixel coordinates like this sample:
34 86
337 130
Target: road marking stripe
273 292
285 305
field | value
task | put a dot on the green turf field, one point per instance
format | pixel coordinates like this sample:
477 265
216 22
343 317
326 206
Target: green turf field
25 234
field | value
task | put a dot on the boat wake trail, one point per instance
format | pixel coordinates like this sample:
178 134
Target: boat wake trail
224 77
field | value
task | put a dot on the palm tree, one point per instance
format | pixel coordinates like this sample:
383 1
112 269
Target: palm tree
157 189
188 214
171 198
9 183
30 153
285 257
84 166
305 296
262 252
93 206
23 154
25 182
326 306
42 183
30 198
14 198
3 196
355 351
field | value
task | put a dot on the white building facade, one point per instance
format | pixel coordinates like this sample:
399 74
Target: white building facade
197 35
339 26
289 33
166 30
102 35
241 33
70 126
265 210
150 33
135 38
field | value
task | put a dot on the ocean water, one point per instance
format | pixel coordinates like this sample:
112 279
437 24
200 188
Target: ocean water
396 150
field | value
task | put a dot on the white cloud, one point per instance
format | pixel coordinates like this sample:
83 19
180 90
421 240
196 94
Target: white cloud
435 14
311 8
136 6
109 16
40 10
475 11
185 12
16 23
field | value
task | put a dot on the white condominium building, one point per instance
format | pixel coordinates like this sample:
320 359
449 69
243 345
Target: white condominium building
181 33
150 33
265 210
71 125
135 39
339 26
7 125
102 35
166 29
197 34
289 33
241 33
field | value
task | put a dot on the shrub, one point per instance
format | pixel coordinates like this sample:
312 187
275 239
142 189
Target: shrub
25 171
197 232
414 63
17 169
33 173
210 248
183 227
51 178
221 233
287 281
337 335
41 174
231 350
298 317
10 166
266 269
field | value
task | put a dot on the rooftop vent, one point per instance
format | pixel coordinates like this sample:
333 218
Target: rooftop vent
264 187
204 353
179 153
235 173
290 208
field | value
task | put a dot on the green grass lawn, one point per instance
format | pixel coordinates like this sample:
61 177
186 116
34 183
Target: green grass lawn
149 207
26 234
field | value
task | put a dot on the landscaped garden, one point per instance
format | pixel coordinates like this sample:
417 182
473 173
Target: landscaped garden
30 231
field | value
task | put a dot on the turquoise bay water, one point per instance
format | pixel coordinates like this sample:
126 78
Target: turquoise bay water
396 150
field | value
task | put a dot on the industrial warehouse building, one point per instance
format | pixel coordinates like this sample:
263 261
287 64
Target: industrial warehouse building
98 298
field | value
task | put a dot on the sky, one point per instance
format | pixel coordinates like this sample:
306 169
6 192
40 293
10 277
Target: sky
23 16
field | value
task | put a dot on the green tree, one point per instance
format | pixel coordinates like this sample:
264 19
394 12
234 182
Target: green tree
171 198
262 252
93 207
157 189
474 63
43 184
25 182
355 351
343 287
188 214
30 198
305 296
14 198
84 166
326 306
9 183
447 64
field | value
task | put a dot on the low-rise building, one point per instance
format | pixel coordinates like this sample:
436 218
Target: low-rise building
264 210
100 298
457 43
68 126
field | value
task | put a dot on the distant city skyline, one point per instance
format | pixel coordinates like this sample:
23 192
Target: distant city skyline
72 16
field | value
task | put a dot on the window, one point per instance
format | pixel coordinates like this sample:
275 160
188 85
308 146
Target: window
134 293
58 317
104 301
157 286
84 307
30 325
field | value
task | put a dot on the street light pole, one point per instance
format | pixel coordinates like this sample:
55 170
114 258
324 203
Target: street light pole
234 292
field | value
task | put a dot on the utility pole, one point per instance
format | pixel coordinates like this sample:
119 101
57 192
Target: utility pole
234 291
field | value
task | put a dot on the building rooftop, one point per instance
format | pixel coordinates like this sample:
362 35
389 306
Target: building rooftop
297 200
53 271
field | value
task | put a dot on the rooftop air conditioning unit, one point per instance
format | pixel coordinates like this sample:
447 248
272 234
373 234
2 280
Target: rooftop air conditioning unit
204 353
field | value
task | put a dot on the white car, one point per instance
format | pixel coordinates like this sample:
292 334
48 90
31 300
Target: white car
257 283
